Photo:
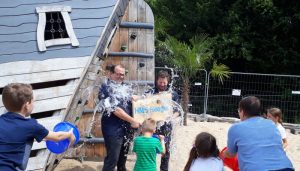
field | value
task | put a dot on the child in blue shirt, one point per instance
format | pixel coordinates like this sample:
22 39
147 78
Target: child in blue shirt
17 129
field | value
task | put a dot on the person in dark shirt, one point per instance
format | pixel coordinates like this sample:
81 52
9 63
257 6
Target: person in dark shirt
162 85
115 101
18 131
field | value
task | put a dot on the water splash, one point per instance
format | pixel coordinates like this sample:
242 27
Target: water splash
118 94
124 92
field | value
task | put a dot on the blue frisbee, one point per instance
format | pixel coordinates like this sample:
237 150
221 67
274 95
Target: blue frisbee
62 146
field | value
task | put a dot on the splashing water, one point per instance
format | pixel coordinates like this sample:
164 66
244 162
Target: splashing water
118 93
124 92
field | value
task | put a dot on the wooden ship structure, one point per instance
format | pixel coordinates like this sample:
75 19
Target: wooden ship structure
61 48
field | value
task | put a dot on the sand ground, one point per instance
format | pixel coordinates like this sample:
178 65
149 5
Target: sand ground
184 138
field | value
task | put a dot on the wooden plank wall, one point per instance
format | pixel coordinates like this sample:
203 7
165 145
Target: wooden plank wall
90 80
51 99
87 128
19 22
137 11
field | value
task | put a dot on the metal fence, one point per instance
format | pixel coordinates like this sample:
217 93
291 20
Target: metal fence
282 91
210 96
197 93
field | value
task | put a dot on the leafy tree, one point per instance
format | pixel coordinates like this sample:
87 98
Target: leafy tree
191 58
248 36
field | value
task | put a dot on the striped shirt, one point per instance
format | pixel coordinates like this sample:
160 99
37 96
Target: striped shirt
146 149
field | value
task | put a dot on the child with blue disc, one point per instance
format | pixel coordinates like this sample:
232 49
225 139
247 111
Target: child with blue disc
18 130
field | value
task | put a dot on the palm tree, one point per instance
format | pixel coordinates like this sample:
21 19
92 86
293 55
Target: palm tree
189 59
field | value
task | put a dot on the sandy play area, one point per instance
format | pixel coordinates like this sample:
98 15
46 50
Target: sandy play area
184 136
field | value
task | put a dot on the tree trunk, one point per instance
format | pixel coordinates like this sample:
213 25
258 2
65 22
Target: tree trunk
185 99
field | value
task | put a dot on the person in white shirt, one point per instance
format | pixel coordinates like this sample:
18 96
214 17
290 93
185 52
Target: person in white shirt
275 115
204 155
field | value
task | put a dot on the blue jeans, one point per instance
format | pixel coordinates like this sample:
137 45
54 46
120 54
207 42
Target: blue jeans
117 150
285 169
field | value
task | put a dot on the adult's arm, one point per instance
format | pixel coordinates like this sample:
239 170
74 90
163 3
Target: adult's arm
231 142
120 113
162 141
227 154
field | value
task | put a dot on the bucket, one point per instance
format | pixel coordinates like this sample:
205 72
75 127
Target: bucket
232 163
62 146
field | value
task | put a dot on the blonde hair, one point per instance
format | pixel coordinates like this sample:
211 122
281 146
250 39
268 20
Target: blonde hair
149 125
276 112
15 95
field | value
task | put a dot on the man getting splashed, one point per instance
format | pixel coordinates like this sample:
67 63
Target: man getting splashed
162 85
115 103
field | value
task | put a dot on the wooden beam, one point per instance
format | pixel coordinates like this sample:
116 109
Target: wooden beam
40 77
130 54
39 161
91 140
48 104
91 111
139 25
37 145
48 93
25 67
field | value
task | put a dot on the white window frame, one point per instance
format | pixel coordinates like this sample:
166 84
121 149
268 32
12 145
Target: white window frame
64 10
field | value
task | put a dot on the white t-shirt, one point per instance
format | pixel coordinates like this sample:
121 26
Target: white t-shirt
281 130
208 164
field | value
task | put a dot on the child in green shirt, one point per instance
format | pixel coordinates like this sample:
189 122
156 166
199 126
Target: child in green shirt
146 147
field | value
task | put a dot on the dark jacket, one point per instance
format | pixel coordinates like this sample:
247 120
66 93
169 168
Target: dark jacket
111 124
175 96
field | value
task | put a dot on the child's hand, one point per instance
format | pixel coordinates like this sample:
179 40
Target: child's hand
135 124
135 97
162 138
72 138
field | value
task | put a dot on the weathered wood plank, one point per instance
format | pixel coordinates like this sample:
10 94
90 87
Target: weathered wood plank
124 36
133 43
50 122
42 76
51 104
142 43
150 44
37 145
48 93
48 104
133 54
25 67
40 32
87 125
39 161
25 6
116 46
